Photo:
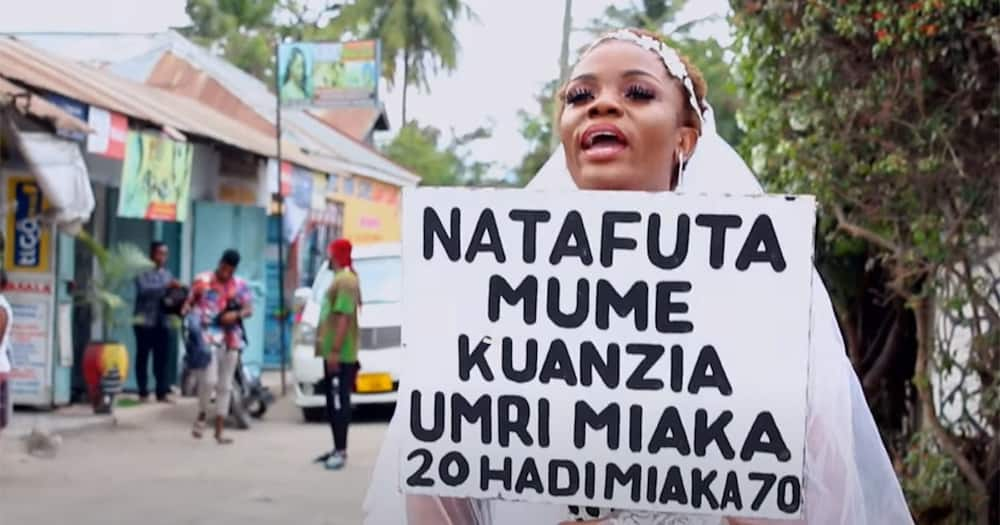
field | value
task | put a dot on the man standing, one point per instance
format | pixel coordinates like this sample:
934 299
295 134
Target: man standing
223 301
337 344
151 335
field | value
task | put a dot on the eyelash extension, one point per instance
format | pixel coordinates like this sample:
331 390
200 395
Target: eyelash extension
577 95
638 92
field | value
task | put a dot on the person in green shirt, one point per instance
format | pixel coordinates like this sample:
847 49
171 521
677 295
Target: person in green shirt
337 344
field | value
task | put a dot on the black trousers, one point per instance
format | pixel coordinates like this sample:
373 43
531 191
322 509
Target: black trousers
338 388
155 340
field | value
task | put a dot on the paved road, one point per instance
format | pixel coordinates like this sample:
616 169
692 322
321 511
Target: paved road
154 473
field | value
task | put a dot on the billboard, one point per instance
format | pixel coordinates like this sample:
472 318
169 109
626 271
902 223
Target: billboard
156 178
320 74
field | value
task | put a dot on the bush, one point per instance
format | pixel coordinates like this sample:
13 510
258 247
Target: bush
889 112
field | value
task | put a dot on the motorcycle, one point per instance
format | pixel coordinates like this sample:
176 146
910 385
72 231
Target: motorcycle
249 397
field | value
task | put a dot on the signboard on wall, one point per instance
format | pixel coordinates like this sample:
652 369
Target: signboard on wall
73 107
367 222
29 243
298 203
273 185
110 133
237 191
156 178
606 349
29 261
30 299
324 74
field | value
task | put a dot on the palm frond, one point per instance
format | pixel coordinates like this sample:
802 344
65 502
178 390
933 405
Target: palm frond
118 267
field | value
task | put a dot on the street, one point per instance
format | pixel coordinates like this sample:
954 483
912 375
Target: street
153 472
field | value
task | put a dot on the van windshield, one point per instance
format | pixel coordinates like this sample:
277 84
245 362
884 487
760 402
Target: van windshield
381 280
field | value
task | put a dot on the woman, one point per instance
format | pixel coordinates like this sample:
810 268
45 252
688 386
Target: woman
635 118
295 81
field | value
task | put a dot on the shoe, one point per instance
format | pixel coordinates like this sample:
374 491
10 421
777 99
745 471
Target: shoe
336 461
323 457
165 400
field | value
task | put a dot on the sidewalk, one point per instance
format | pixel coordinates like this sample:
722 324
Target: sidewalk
80 417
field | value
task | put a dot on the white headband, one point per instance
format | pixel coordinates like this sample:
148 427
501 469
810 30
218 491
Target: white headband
667 54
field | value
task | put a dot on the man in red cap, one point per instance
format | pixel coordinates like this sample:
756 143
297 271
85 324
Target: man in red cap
337 344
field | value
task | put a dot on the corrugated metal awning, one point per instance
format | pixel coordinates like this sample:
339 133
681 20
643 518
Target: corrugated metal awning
175 114
58 166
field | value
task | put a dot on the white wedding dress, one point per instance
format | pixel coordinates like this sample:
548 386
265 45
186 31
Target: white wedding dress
849 479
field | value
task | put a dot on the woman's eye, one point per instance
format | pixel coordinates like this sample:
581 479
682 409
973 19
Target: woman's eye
578 95
637 92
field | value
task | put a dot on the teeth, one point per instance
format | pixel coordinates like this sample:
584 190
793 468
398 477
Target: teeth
599 134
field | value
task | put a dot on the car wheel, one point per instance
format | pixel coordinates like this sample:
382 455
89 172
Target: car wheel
314 414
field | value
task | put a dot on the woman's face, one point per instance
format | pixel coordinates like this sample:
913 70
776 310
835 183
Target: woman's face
297 68
622 123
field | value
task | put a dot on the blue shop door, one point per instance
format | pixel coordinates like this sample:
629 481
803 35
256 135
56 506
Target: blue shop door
272 328
220 226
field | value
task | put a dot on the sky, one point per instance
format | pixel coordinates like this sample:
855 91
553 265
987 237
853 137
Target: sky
506 56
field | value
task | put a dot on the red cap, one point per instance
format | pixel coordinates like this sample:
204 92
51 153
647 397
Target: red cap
340 252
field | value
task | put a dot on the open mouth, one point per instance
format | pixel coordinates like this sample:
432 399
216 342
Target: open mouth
603 142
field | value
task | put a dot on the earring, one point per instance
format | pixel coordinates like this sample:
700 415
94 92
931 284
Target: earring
680 168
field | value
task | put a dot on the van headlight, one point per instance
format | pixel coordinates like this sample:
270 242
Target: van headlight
306 336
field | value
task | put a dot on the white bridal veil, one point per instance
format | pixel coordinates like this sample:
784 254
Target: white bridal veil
849 479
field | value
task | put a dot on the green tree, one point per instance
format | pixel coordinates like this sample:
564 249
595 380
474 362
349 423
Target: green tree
438 163
652 14
421 32
244 32
241 31
660 16
536 128
890 113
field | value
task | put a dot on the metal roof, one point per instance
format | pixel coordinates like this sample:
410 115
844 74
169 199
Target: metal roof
299 125
176 114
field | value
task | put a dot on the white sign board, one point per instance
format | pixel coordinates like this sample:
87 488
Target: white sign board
30 299
617 350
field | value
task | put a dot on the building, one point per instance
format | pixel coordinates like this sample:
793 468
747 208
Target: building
233 174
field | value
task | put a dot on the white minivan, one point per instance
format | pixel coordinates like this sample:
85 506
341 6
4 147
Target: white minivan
380 272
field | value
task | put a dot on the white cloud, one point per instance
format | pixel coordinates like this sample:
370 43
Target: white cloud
87 16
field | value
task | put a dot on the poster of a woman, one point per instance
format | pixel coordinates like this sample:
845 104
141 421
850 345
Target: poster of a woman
295 69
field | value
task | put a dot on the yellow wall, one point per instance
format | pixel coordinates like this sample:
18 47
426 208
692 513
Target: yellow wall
372 214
